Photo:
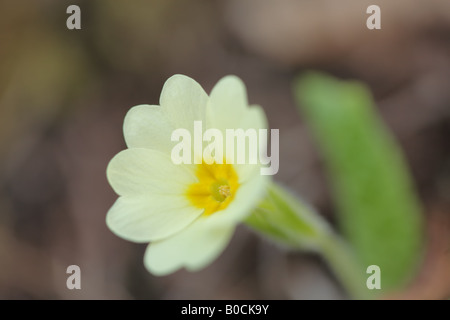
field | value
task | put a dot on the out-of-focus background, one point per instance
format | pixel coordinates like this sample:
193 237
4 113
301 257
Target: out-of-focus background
64 94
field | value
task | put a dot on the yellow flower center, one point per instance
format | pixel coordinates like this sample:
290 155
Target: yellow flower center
217 184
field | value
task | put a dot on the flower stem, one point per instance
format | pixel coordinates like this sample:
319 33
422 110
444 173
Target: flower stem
344 266
288 221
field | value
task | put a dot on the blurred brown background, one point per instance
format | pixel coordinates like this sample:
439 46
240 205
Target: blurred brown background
64 93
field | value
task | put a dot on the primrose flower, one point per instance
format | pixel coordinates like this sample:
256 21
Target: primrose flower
187 212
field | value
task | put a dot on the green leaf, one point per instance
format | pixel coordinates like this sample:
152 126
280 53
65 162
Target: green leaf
378 209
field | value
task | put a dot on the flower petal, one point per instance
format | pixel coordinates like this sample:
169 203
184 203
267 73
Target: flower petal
228 103
193 248
184 101
144 219
138 171
230 109
254 118
146 126
203 240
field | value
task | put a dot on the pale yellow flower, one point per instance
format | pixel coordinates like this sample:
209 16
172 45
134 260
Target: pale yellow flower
187 212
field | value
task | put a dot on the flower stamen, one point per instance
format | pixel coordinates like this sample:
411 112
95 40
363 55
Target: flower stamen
215 188
225 191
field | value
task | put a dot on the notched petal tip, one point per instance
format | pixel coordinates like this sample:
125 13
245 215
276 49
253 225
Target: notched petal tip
184 101
112 171
146 126
259 115
230 86
137 111
179 85
155 264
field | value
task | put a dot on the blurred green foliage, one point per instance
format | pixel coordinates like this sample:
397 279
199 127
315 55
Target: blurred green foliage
378 210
